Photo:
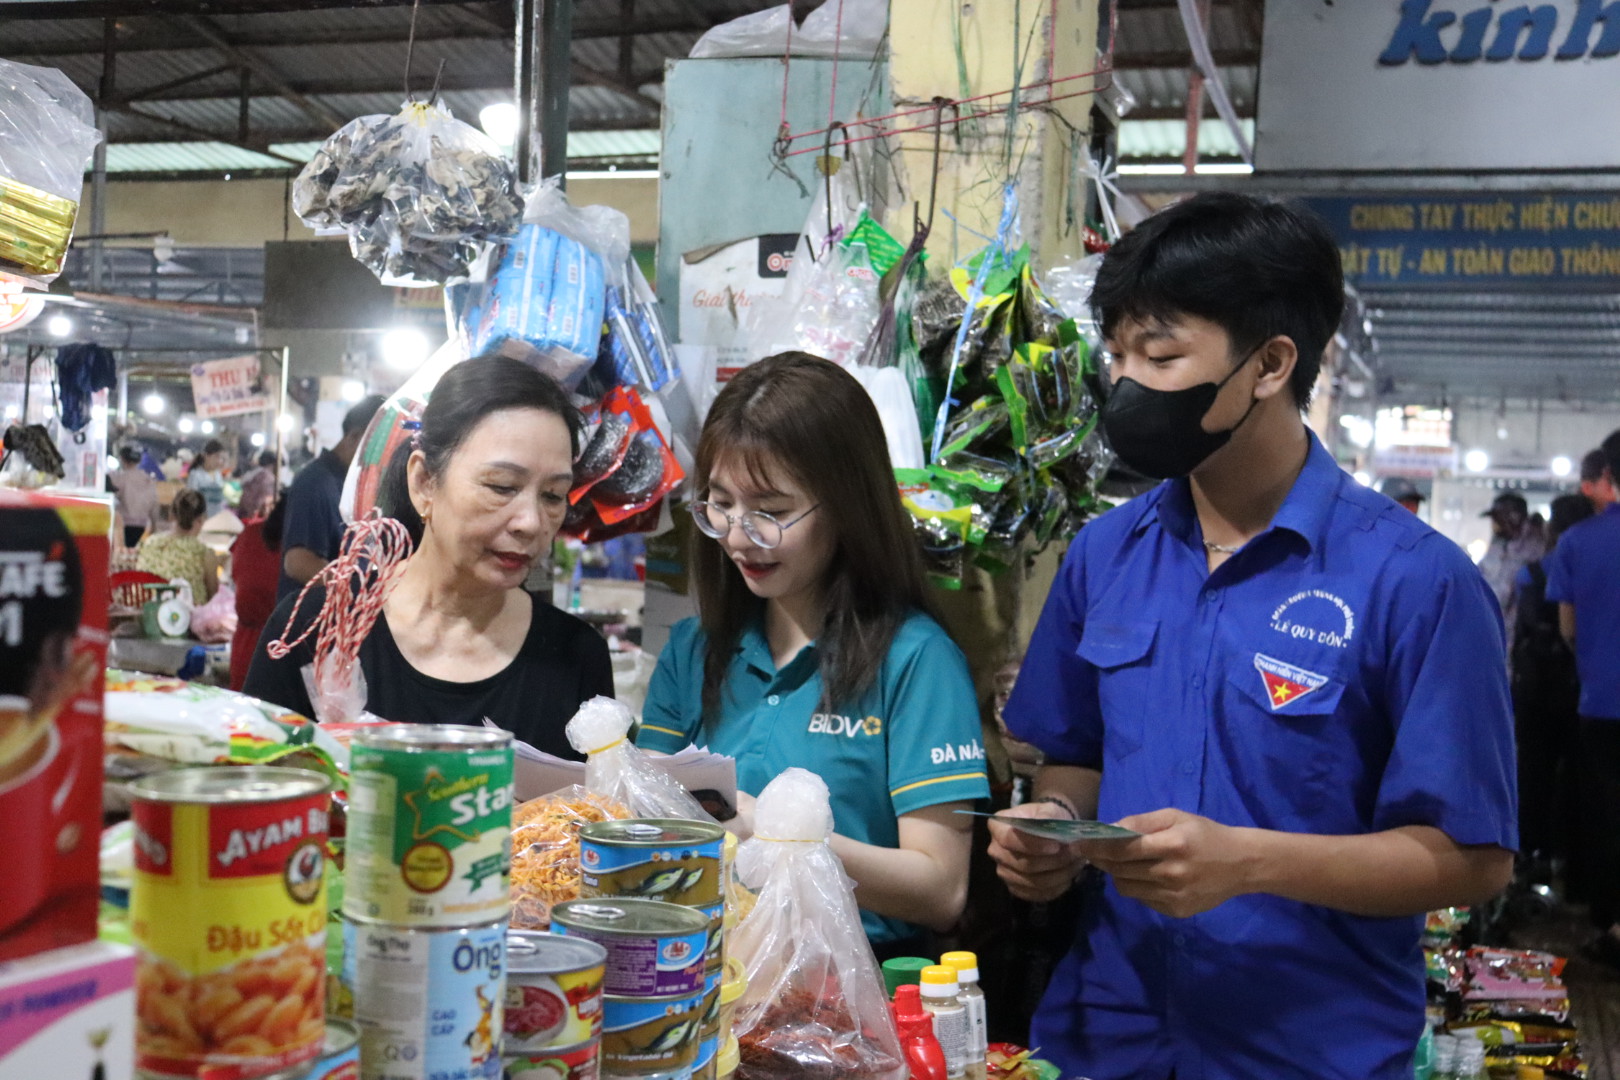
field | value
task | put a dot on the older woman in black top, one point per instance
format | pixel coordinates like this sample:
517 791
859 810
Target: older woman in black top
483 488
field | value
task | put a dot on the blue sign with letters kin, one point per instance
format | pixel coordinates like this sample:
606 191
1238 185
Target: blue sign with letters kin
1512 240
1500 32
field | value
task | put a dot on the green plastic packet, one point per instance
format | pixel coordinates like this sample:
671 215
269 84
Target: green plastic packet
882 249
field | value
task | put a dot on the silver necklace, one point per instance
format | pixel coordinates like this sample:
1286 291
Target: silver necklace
1222 548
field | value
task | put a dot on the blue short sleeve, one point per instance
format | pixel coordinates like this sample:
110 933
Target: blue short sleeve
1560 573
1054 706
935 752
673 711
313 521
1446 688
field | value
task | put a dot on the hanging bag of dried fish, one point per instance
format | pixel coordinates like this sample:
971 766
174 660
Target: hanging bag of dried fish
47 134
814 1008
417 192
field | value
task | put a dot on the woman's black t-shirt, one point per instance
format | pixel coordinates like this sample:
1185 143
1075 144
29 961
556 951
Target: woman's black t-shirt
561 664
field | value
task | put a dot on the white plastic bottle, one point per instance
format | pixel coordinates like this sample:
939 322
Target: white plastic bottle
967 978
942 997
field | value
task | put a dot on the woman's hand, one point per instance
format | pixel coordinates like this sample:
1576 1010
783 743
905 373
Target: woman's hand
1033 868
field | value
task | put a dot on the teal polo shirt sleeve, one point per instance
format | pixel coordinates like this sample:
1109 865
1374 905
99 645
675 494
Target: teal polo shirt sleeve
935 752
673 712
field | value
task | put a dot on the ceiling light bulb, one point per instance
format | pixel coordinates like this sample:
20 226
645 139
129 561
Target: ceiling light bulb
353 390
257 438
59 326
405 348
500 122
152 404
1476 461
207 427
285 422
1562 466
186 425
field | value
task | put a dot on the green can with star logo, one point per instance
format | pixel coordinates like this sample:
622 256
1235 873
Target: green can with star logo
429 825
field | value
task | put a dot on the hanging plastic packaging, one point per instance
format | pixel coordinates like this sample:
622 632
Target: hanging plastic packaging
417 192
47 134
542 304
616 769
814 1007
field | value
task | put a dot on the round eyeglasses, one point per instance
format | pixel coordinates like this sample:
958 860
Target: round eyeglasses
761 528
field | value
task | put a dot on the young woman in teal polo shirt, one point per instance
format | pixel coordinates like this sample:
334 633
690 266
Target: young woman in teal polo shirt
813 645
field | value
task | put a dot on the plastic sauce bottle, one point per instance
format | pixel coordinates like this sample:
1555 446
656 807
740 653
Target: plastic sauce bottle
967 977
942 998
924 1057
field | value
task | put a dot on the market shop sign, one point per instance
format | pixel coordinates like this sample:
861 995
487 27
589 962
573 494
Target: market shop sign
228 387
1477 240
1395 85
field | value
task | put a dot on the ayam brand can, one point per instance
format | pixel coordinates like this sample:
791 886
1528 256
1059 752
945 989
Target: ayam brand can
340 1057
650 1036
553 991
428 1003
228 912
430 821
653 949
563 1063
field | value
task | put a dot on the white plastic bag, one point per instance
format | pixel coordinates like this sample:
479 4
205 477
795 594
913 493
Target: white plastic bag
616 769
47 134
762 33
815 1005
849 29
417 192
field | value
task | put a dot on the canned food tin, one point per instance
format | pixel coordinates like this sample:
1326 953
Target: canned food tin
430 821
564 1063
340 1057
427 1002
228 912
667 859
708 1027
650 1036
714 948
653 948
553 991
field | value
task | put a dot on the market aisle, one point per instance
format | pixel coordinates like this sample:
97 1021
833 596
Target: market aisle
1594 989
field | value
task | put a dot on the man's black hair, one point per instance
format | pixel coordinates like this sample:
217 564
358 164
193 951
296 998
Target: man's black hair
1611 455
356 419
1592 466
1258 268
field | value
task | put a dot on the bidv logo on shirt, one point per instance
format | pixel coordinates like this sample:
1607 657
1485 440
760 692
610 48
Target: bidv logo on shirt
834 724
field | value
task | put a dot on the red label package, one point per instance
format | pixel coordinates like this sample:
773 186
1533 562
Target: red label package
53 655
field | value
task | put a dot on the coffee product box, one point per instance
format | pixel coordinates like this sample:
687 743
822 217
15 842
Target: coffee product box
53 655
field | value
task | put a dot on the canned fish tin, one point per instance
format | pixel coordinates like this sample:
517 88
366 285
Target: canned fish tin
428 1003
714 949
553 991
708 1027
667 859
565 1063
430 821
653 948
650 1036
340 1057
228 912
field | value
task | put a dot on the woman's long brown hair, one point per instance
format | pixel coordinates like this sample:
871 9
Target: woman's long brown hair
811 418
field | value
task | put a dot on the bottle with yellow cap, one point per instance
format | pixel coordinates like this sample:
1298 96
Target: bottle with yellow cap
942 997
967 977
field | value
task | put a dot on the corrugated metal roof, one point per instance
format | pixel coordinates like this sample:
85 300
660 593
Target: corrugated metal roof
1168 139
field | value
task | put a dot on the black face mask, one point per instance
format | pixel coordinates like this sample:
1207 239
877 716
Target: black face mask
1159 433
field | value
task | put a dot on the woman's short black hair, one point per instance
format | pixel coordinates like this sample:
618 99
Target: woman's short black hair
212 446
1258 268
465 395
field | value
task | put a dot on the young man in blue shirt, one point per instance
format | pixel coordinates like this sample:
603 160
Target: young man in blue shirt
1289 685
1583 578
313 532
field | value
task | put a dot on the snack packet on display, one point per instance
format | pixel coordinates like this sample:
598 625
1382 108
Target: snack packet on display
616 769
545 850
814 1007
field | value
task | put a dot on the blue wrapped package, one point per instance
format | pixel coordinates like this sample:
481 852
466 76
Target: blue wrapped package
542 303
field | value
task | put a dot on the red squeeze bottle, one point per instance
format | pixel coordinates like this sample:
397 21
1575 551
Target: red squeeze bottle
924 1056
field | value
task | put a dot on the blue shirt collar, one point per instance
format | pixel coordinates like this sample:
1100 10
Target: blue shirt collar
755 650
1304 512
